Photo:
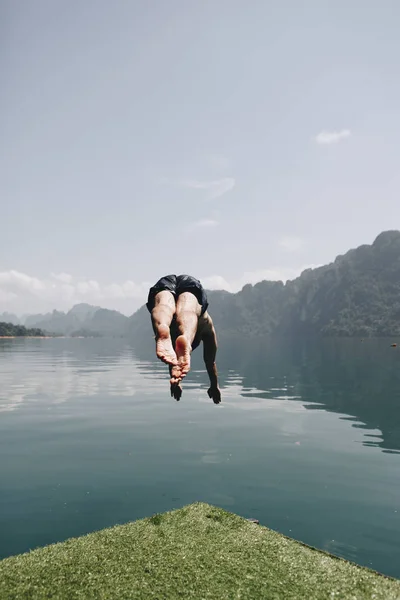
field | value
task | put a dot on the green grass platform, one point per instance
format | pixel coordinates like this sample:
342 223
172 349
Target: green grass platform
199 552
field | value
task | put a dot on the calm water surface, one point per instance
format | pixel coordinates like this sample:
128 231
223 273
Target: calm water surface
307 440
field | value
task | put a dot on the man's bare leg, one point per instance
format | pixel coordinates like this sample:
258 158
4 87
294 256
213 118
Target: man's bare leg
188 311
161 317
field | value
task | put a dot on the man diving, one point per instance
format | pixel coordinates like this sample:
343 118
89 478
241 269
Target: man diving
178 307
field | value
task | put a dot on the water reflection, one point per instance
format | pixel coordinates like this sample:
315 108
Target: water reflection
359 381
53 371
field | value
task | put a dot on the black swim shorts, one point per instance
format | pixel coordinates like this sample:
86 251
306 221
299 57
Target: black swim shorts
177 285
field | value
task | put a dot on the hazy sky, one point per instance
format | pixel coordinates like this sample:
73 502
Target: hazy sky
233 140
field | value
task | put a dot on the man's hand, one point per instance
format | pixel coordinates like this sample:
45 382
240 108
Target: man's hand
176 391
215 394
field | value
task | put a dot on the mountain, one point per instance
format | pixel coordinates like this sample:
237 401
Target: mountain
356 295
83 311
82 319
60 322
32 320
107 322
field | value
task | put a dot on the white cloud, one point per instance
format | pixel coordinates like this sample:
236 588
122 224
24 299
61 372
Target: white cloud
214 189
63 277
201 224
291 243
274 274
127 289
218 282
88 288
219 162
204 224
21 293
332 137
10 280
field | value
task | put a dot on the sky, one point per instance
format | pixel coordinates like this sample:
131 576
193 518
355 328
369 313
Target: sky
235 141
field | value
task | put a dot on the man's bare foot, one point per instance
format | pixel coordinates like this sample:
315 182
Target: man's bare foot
176 390
164 348
183 350
215 394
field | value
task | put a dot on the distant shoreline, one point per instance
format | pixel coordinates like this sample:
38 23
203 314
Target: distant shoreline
31 337
48 337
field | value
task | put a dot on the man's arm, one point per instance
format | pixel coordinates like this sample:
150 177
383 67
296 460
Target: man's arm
209 354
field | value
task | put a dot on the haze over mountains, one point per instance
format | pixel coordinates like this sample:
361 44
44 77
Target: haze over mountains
82 319
356 295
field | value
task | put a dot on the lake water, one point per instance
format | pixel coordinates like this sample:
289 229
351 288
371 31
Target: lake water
307 440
